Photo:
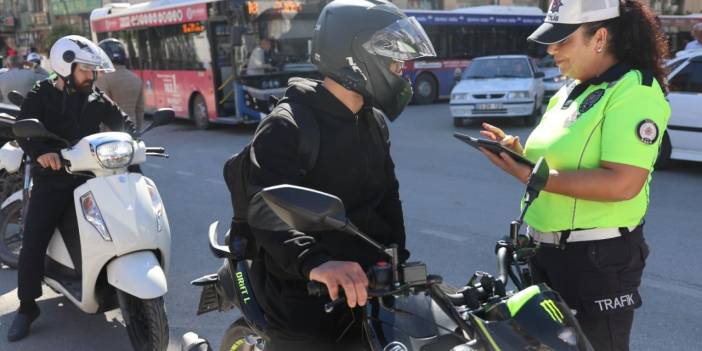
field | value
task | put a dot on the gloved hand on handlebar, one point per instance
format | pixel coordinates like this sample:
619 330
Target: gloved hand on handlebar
348 275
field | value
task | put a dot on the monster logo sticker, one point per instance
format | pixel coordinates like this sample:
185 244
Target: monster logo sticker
552 309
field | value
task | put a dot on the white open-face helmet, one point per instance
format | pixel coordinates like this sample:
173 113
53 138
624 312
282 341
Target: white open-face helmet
74 49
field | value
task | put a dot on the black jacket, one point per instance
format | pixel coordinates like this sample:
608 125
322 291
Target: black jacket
70 116
354 164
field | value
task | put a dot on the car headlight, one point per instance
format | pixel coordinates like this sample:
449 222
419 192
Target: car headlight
459 96
518 95
115 154
556 79
92 214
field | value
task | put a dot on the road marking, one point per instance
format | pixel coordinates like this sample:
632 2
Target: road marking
443 235
215 181
184 173
153 165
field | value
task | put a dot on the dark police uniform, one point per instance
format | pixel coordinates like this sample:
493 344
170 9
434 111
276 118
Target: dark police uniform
593 253
72 117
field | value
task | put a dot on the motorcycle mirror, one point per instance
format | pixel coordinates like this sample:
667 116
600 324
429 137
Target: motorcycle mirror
539 177
162 117
32 128
300 208
15 98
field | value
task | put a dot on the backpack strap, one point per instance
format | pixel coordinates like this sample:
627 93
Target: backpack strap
305 119
382 126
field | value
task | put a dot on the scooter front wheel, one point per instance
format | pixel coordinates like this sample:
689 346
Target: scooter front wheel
11 233
147 324
240 337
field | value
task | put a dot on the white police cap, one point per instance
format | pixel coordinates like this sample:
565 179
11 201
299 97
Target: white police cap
564 17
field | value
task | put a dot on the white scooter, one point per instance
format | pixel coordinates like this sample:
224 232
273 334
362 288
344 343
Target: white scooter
118 255
11 181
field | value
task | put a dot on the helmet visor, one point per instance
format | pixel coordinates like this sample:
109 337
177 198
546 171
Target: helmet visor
98 61
403 40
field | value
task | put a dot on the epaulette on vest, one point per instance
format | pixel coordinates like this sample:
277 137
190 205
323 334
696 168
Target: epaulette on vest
646 78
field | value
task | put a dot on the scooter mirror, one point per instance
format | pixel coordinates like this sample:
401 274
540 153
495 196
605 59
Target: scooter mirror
15 98
539 176
300 208
162 117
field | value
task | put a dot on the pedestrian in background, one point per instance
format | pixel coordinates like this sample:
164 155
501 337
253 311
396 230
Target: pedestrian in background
696 42
124 87
34 64
16 78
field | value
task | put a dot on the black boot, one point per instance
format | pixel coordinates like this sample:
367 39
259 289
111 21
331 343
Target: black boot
26 314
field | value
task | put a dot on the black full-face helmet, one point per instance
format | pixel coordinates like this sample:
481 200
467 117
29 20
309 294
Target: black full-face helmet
114 50
362 44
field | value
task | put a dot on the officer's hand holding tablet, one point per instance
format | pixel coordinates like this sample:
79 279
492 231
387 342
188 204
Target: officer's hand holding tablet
505 151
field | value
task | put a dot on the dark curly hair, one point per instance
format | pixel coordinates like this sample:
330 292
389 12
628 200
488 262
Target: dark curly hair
636 38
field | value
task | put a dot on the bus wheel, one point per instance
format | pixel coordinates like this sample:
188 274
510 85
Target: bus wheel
425 89
198 112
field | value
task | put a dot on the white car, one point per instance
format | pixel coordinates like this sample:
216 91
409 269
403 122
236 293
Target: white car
498 86
553 79
683 137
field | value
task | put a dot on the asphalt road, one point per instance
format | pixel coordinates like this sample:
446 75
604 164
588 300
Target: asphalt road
456 205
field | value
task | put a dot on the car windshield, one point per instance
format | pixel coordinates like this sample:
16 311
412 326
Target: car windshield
547 62
498 68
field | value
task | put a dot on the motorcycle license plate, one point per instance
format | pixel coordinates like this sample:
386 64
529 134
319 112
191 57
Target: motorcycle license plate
209 301
488 107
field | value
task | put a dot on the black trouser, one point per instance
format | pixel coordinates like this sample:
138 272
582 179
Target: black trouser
600 280
49 203
350 335
280 342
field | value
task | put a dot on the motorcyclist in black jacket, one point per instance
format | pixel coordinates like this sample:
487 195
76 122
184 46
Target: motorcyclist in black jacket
71 107
360 47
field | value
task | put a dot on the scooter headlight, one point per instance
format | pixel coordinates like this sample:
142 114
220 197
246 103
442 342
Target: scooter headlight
115 154
157 204
92 214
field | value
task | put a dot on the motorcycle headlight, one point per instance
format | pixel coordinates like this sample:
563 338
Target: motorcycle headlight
92 214
115 154
518 95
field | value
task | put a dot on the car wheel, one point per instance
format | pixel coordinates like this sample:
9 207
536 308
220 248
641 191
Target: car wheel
425 89
535 116
663 161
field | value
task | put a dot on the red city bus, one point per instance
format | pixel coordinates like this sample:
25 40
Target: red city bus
191 53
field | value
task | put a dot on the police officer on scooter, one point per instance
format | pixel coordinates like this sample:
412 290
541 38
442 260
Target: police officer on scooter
71 107
360 47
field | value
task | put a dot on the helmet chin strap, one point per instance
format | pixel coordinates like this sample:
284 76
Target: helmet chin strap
68 86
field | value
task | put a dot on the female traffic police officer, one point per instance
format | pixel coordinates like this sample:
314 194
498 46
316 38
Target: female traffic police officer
600 135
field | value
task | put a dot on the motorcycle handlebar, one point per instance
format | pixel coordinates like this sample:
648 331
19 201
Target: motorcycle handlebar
155 150
503 265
